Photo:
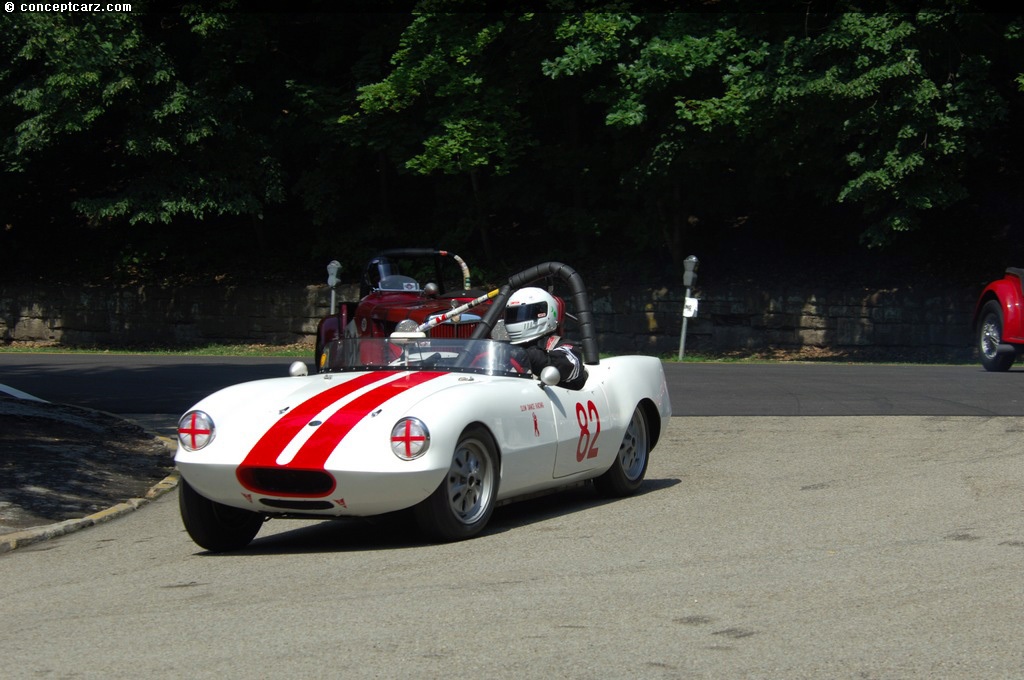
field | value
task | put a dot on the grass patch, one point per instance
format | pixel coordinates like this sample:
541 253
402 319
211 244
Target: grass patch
867 355
824 355
215 350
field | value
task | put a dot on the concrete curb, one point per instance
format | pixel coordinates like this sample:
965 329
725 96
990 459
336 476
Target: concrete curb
18 539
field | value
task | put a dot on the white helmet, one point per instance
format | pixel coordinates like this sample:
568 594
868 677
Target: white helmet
529 314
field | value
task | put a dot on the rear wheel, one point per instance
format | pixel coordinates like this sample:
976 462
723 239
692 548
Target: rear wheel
626 474
990 335
463 502
215 526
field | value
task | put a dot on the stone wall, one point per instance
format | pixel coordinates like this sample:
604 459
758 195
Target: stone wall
896 322
735 318
150 315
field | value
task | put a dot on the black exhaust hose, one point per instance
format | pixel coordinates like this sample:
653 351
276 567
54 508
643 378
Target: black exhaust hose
580 299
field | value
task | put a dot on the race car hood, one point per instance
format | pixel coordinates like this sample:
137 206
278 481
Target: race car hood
300 421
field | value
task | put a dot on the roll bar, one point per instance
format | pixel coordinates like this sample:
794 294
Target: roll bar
580 299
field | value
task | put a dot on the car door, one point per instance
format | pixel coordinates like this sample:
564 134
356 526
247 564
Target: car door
578 418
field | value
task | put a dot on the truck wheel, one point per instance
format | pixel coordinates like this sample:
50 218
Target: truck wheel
990 335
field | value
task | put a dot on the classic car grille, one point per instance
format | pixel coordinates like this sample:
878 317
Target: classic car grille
452 330
282 482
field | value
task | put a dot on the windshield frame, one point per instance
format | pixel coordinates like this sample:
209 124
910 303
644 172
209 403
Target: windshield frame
446 355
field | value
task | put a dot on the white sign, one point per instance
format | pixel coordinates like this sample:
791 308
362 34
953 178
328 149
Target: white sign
690 308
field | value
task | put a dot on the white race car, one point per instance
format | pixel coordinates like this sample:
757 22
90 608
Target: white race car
447 427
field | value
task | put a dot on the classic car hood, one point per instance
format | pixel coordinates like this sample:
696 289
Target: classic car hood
396 309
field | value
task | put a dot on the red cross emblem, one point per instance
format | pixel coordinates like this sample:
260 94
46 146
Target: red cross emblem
407 438
193 431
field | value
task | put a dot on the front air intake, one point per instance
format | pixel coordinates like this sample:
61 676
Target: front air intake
285 482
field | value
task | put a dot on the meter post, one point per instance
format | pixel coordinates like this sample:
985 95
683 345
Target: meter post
689 276
333 267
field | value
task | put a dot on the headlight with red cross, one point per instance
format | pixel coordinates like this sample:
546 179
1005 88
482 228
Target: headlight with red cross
195 430
410 439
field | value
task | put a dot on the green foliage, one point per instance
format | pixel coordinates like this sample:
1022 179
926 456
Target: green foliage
898 109
161 145
444 75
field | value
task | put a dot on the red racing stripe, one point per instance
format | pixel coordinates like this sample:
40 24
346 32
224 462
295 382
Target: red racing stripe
270 445
314 453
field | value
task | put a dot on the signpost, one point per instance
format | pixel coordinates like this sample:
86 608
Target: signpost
690 304
332 281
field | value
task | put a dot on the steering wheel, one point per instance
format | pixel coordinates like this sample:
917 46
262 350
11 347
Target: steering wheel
481 361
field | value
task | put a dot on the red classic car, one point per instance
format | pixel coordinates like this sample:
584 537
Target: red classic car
999 321
390 292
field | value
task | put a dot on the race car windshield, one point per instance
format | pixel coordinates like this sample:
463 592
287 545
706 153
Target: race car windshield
487 357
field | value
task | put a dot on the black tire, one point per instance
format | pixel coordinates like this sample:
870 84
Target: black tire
463 502
215 526
990 334
626 474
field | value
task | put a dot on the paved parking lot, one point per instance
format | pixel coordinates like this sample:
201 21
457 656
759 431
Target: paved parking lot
763 547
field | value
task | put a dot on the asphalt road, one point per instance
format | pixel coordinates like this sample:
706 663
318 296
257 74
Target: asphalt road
143 384
129 383
856 522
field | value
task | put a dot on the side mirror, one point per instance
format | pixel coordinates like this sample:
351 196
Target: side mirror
550 376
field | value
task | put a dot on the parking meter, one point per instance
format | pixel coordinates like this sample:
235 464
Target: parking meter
332 281
690 271
332 273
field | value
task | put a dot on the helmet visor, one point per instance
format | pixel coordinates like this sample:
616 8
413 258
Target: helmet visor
528 312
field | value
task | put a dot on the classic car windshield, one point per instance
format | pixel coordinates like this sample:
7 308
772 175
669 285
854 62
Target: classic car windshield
432 354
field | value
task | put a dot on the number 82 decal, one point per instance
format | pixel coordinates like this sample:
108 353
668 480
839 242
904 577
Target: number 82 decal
589 421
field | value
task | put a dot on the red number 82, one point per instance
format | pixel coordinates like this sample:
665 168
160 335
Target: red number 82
586 446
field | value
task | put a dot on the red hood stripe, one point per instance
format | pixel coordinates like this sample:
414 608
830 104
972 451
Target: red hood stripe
270 445
315 452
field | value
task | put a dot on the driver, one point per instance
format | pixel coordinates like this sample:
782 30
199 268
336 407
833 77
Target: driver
532 320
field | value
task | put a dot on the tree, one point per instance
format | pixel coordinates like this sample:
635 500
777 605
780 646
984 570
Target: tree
604 134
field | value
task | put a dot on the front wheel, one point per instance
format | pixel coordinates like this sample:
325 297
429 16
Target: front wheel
626 474
215 526
462 504
990 335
